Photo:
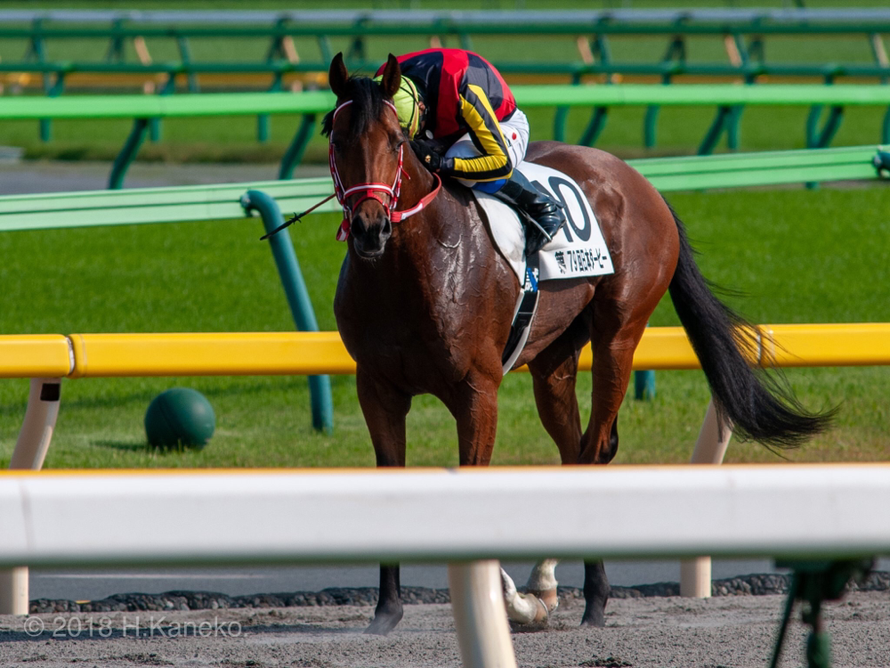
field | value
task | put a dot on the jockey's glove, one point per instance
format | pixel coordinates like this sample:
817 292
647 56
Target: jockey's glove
428 152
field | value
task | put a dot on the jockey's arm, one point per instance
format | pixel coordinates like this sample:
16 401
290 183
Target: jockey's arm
494 162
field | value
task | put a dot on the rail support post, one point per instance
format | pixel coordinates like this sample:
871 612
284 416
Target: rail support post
30 451
297 148
128 154
14 591
480 617
710 448
297 298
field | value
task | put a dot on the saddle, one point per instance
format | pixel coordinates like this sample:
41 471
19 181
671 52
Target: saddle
578 250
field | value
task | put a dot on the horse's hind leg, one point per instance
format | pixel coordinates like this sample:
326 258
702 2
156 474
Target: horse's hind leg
385 410
613 352
554 372
614 341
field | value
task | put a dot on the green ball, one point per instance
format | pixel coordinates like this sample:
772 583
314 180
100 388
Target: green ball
180 417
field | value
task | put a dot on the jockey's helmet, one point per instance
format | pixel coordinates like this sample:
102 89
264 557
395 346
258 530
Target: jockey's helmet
407 104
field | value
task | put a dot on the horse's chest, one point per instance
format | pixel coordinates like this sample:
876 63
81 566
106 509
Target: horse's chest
416 356
414 346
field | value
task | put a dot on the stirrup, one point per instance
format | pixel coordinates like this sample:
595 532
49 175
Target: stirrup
536 235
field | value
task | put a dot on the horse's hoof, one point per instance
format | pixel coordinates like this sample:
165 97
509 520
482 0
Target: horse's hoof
596 618
382 623
549 597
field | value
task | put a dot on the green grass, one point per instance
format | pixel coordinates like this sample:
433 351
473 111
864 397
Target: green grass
800 256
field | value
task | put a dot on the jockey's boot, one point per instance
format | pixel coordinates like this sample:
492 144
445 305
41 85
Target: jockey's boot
544 214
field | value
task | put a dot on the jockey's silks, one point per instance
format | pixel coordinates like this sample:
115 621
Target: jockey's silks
463 93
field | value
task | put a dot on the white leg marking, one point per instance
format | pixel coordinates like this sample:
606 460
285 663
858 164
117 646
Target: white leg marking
542 583
521 608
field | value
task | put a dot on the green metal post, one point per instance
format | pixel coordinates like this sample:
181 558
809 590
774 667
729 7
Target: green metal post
154 128
295 151
712 138
37 51
185 55
262 121
53 89
821 138
116 47
644 385
650 123
562 114
324 46
594 127
128 154
297 298
276 52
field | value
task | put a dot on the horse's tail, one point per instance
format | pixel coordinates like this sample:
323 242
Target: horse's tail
759 406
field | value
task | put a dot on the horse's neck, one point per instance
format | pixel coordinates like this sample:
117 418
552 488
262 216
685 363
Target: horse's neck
421 236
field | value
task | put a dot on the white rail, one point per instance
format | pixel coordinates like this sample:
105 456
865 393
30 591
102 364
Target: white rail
422 514
467 517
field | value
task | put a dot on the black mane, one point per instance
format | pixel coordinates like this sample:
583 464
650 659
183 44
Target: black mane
367 105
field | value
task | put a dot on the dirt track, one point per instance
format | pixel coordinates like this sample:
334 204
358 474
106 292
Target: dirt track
722 631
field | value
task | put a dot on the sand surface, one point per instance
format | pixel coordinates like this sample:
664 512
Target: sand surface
658 631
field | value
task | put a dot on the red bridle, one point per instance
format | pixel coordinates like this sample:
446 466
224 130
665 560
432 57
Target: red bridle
374 191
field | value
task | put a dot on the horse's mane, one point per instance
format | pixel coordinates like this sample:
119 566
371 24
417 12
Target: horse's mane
367 105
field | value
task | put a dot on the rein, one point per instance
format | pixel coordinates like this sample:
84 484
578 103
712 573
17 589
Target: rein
370 191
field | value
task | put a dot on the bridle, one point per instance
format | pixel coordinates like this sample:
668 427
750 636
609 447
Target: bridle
375 191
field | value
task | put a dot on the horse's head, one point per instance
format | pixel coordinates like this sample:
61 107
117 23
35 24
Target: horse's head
367 146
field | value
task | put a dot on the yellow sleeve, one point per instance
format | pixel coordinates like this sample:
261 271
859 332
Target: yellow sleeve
485 130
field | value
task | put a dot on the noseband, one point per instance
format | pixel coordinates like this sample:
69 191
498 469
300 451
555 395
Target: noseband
372 190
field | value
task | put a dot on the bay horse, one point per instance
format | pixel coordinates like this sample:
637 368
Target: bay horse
424 304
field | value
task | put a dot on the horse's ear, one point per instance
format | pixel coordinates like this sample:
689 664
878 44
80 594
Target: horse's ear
338 75
392 77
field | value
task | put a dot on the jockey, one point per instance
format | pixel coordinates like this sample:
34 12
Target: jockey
463 122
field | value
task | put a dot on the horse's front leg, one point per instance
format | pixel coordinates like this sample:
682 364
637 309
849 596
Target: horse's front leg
474 405
385 409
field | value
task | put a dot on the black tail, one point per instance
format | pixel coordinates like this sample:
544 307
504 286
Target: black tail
758 405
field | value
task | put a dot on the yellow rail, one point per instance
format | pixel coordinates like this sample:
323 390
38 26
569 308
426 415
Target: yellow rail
313 353
236 354
35 356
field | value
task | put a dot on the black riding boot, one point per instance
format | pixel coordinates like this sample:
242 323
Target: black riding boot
545 212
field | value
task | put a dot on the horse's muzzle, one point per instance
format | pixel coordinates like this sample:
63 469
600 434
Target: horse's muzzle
370 233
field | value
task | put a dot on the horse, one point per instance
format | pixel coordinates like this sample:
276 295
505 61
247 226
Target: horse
424 304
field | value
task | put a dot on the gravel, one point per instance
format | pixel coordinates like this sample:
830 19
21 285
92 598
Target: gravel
642 631
749 585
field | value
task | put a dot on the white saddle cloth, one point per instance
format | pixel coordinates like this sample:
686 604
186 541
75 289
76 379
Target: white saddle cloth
577 250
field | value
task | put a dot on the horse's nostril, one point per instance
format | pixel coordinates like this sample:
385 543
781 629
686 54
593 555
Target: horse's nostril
358 227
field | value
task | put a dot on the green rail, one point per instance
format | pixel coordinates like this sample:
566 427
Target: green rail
195 203
729 100
743 32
